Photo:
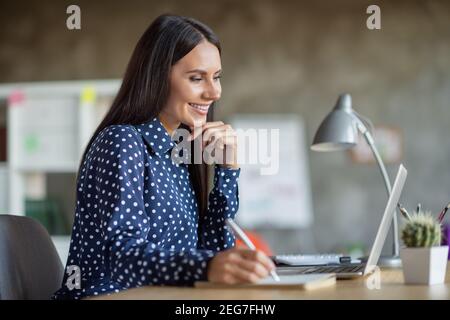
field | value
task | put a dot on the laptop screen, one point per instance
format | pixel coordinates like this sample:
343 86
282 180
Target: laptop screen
388 215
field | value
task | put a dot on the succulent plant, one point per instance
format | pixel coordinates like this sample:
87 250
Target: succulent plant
422 230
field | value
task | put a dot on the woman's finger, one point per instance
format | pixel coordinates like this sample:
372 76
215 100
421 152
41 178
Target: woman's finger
212 124
217 133
236 258
259 256
244 276
236 266
198 130
226 140
227 276
253 267
213 131
241 274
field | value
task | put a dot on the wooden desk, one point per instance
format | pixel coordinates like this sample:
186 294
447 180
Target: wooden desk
391 287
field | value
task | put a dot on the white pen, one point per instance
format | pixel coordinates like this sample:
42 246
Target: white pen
241 235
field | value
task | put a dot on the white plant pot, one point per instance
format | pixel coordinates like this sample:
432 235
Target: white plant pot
424 265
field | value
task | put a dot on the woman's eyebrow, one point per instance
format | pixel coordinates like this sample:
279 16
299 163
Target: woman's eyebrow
203 71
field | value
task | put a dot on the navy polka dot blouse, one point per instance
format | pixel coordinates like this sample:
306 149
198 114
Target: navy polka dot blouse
136 217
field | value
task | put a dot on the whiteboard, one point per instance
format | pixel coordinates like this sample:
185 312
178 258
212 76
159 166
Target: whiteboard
45 133
281 199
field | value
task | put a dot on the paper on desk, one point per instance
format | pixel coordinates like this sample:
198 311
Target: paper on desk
297 281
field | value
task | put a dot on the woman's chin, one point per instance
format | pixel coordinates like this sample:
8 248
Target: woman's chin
197 121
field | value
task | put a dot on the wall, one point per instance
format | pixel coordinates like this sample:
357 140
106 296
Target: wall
282 56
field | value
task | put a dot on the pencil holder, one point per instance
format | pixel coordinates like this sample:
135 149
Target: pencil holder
424 259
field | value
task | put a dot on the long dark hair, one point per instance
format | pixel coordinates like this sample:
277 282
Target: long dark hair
145 87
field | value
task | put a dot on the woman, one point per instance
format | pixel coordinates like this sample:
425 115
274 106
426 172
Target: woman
142 218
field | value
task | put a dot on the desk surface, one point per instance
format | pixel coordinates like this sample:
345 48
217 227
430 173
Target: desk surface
391 287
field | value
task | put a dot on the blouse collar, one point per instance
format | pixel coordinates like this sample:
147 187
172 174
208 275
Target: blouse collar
156 136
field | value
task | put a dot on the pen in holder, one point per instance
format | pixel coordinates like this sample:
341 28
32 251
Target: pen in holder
446 236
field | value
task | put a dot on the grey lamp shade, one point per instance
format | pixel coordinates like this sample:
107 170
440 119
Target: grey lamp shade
338 130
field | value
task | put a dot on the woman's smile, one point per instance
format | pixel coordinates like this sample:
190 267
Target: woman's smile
202 109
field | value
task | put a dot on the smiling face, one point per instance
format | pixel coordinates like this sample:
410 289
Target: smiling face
194 85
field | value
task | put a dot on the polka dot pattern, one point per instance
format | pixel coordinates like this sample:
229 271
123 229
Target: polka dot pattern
136 217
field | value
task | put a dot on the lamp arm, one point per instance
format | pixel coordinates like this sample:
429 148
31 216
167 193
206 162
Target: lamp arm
369 139
381 166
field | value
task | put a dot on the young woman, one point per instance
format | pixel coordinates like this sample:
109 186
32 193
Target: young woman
142 218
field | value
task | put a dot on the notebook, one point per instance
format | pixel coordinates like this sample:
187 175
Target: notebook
297 281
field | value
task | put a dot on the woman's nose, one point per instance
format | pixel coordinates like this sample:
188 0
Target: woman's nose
213 92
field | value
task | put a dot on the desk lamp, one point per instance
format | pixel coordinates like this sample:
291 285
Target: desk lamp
339 131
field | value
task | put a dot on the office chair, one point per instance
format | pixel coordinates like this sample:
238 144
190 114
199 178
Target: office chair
30 268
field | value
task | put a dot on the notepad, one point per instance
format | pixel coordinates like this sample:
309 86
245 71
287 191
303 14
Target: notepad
297 281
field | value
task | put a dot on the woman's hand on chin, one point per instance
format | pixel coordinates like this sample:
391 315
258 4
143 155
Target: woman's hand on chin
222 138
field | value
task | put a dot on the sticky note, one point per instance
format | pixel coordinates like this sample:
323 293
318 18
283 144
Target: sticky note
16 97
88 95
31 142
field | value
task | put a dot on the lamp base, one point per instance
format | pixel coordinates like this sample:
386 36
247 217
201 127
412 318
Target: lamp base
386 261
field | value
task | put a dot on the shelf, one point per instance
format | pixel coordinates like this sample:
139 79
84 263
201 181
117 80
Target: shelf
48 126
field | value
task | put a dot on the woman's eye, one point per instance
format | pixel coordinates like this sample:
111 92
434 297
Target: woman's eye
194 79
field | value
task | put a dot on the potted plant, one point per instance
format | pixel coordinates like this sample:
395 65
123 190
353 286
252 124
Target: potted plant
424 260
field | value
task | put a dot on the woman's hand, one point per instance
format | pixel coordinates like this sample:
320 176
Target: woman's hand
222 138
236 265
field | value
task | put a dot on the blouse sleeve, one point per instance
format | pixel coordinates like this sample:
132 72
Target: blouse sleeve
223 203
133 260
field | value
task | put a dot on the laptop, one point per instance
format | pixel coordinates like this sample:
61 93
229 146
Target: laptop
352 270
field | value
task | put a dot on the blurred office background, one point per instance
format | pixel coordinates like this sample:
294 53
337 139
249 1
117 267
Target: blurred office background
287 57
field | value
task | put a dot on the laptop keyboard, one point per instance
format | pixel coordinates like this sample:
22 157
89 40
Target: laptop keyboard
331 269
